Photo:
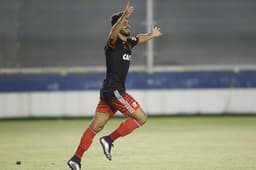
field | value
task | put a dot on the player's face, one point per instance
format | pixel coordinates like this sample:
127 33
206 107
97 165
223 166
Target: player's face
125 31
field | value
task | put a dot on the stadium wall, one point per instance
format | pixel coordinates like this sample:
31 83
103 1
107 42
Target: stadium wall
77 94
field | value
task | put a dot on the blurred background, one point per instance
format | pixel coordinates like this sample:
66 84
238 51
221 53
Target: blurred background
52 57
51 33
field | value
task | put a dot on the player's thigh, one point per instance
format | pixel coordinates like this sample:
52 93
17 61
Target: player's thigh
99 121
139 115
102 114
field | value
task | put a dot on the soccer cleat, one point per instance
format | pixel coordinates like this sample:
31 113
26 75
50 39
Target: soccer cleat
106 144
74 163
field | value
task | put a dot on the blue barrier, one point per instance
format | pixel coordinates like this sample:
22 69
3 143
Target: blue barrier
165 80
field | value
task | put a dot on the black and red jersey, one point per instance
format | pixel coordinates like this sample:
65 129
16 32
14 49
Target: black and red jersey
118 57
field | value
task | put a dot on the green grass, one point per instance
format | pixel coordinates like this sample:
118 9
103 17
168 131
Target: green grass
164 143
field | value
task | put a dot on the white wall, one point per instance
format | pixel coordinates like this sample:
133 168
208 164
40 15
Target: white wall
83 103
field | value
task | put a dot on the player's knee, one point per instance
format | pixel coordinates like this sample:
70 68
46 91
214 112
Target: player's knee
143 119
97 127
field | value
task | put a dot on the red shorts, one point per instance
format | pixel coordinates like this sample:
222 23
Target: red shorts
126 104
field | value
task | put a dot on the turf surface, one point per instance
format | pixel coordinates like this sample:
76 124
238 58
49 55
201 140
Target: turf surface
164 143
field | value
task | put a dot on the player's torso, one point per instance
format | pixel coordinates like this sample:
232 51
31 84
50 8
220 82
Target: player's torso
118 62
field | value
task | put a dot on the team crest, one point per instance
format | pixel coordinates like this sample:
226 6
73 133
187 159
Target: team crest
134 104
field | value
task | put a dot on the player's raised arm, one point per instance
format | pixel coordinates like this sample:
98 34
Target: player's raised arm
117 25
145 37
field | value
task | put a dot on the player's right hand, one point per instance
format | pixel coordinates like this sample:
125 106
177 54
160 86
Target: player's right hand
129 9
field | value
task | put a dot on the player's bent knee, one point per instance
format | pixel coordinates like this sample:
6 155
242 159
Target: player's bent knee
142 120
140 116
99 121
97 127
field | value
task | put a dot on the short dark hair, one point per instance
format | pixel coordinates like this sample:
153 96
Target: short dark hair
115 17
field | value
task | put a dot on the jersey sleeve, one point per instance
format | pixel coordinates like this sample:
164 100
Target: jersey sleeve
110 45
134 41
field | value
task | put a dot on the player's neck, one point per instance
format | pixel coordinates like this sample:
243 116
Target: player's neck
122 37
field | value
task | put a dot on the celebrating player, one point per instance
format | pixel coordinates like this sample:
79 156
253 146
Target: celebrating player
113 95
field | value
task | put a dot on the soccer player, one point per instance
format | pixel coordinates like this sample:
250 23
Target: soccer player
113 96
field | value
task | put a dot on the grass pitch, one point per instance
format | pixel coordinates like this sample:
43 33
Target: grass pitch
164 143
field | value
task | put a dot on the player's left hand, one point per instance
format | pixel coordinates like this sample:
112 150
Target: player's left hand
156 32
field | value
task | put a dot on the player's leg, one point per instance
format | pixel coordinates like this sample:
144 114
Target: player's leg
140 116
102 115
97 124
135 120
128 106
